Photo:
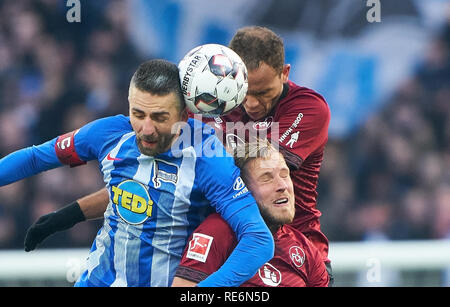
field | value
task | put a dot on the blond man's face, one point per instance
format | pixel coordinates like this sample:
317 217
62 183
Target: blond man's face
270 184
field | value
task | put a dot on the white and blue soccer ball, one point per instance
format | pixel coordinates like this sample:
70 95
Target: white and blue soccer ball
213 80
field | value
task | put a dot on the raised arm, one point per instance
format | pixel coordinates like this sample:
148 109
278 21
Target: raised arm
28 162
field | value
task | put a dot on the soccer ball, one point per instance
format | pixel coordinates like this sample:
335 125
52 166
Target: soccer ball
213 80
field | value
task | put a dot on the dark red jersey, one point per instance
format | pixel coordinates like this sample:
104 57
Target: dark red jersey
296 263
299 123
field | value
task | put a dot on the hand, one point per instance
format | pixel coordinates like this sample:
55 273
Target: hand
48 224
40 230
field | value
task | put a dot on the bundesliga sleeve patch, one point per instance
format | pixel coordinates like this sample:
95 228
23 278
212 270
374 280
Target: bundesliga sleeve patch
65 150
199 247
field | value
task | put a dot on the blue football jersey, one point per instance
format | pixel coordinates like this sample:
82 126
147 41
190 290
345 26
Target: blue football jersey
155 202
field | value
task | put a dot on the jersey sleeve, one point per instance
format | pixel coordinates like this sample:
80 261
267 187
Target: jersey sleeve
79 146
28 162
316 271
303 127
62 150
73 148
90 140
208 248
318 274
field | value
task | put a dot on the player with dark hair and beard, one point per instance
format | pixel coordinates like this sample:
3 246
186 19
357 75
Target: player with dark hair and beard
157 192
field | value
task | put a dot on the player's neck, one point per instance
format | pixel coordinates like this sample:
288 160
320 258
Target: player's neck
274 228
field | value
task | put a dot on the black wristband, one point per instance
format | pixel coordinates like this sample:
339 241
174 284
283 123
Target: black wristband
69 216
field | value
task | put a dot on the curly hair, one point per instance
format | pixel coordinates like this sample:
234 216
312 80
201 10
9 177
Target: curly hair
257 44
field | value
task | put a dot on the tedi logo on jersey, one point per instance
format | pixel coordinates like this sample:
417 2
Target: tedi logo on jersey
133 201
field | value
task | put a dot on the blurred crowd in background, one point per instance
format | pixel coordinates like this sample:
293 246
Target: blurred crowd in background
389 180
56 76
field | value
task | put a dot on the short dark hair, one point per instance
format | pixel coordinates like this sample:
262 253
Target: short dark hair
159 77
257 44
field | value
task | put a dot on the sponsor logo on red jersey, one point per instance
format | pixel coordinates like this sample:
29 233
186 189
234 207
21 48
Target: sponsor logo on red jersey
263 125
269 275
199 247
293 126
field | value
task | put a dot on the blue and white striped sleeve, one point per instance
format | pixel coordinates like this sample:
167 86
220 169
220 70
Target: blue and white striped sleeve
73 149
28 162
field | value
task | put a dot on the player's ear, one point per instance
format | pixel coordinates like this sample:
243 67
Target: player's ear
285 72
184 115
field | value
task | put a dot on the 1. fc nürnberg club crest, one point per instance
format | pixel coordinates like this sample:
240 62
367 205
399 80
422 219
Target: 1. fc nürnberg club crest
297 256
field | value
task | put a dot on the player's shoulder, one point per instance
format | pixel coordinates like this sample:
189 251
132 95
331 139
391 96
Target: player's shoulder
107 127
312 261
298 237
99 135
204 141
215 226
215 219
306 246
197 132
297 92
303 99
235 115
